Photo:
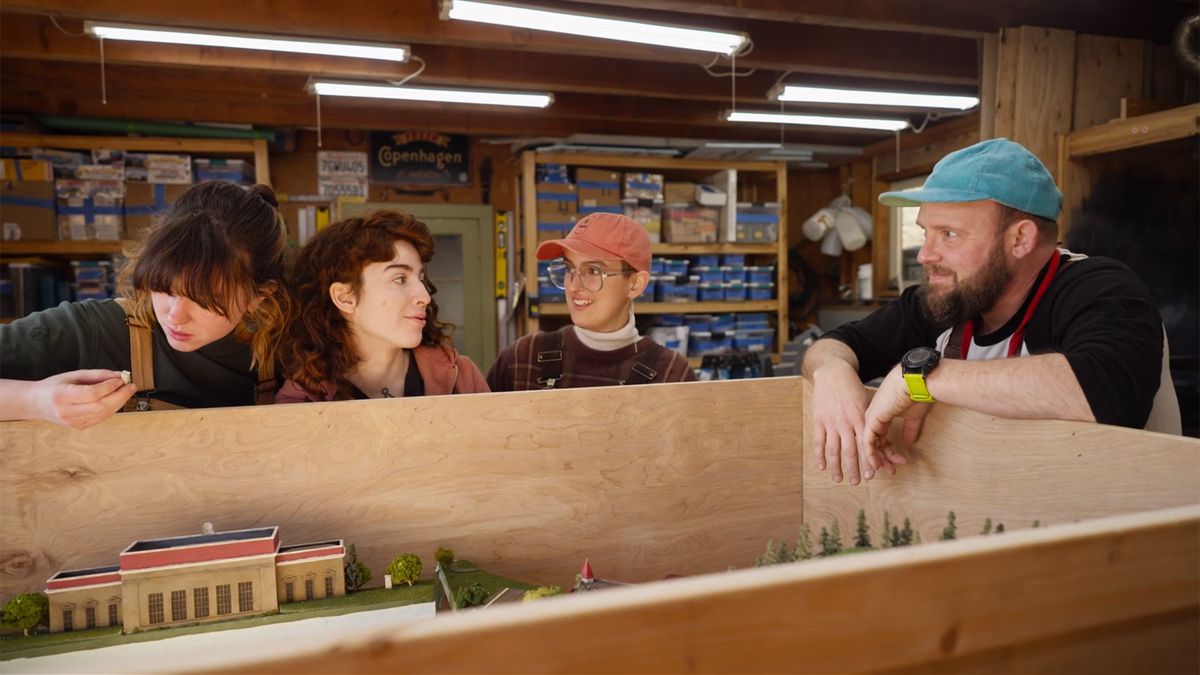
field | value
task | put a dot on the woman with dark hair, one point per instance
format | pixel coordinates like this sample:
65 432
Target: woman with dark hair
202 310
365 323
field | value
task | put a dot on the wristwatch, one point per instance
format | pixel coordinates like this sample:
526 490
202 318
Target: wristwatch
916 365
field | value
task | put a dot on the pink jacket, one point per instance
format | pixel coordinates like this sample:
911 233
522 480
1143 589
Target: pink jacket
443 369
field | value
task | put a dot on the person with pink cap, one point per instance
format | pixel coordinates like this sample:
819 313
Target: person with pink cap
605 265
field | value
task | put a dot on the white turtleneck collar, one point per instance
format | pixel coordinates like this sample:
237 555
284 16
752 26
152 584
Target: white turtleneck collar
607 342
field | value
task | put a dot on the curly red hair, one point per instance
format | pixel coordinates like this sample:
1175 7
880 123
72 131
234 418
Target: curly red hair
319 344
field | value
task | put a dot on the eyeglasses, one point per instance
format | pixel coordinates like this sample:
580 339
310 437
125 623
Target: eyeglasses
591 277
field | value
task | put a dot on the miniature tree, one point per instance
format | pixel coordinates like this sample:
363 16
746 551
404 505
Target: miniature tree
906 533
26 611
782 554
773 555
470 596
949 532
356 572
405 569
1000 528
885 538
895 537
831 540
1037 524
803 550
541 592
987 526
444 558
862 537
916 537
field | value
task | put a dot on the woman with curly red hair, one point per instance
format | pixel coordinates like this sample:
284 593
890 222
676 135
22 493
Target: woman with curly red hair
365 322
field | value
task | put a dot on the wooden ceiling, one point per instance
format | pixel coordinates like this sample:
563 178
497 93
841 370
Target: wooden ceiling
600 87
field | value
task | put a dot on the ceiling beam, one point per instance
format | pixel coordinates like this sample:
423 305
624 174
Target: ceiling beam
797 47
1147 21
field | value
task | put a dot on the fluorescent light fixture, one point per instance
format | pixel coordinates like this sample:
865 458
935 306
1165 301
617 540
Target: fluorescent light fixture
739 145
817 120
361 50
406 93
594 26
866 97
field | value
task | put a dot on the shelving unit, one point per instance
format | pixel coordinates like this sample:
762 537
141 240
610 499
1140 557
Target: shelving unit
61 250
774 173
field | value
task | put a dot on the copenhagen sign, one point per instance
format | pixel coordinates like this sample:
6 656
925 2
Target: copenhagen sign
420 158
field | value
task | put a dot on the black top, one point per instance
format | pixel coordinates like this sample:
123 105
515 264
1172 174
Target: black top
93 334
414 384
1097 313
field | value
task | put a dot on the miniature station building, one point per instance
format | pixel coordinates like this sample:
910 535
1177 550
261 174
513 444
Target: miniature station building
195 579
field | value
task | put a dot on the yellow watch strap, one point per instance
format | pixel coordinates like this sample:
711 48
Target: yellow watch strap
917 390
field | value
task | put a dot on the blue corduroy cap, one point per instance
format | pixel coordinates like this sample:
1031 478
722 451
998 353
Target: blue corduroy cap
997 169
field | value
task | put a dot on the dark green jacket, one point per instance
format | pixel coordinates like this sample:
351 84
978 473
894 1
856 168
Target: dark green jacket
93 334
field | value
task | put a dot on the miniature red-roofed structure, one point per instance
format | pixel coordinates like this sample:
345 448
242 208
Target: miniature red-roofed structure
585 575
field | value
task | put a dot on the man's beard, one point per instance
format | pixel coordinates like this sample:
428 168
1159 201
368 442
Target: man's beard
967 299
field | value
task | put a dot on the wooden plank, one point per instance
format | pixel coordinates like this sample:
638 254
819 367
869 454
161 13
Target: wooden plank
1014 473
663 163
911 609
1157 127
1136 107
560 309
1045 83
1007 66
1106 70
989 61
724 247
133 143
782 288
262 163
645 481
20 247
529 232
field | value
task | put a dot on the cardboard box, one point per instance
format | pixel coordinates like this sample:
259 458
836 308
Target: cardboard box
756 222
145 203
100 172
26 170
27 210
648 212
90 209
555 200
598 187
679 192
64 161
158 168
689 224
643 186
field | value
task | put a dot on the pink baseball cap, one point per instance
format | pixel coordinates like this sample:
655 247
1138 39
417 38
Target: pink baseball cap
603 236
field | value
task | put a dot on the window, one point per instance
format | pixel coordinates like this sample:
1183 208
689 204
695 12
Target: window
906 239
200 602
308 589
68 619
245 596
224 602
155 612
89 617
178 605
114 614
329 586
289 592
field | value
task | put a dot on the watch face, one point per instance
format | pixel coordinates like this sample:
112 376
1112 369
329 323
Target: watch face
918 357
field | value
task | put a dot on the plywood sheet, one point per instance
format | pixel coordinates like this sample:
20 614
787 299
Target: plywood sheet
646 481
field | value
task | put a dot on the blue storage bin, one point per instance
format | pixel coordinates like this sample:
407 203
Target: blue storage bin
760 291
734 259
733 273
735 291
651 289
708 260
708 274
675 266
669 320
709 342
761 275
548 292
712 291
753 340
679 289
753 317
658 266
723 322
700 322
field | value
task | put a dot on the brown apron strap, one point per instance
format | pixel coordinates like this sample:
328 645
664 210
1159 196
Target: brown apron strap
264 391
954 343
141 348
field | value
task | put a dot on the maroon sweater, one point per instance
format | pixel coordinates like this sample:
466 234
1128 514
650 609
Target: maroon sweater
517 367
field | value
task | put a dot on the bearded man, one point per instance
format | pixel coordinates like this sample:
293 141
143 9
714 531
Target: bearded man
1005 322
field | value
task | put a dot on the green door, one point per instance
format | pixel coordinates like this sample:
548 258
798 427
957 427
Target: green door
463 270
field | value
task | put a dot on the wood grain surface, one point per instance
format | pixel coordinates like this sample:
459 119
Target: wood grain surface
645 481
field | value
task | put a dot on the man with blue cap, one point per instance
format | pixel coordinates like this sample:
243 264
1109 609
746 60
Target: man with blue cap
996 286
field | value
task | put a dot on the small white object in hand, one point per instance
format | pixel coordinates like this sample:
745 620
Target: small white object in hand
126 377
